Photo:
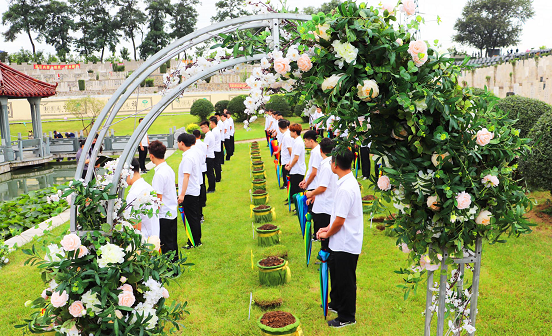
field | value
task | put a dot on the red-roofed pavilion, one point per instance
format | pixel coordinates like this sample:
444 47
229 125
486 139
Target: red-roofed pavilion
16 85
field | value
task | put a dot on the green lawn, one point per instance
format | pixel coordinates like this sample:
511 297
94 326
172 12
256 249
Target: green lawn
514 294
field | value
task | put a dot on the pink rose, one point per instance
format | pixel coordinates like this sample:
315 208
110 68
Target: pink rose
76 309
123 279
126 288
425 263
484 217
304 63
484 137
409 7
165 292
417 47
433 203
388 7
59 300
384 183
490 181
70 242
419 61
404 248
126 299
464 200
281 66
44 295
82 251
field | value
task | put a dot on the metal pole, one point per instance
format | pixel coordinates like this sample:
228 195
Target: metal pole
429 296
475 285
442 294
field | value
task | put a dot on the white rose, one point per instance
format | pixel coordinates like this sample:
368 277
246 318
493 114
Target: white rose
322 32
330 82
368 90
484 217
346 51
110 253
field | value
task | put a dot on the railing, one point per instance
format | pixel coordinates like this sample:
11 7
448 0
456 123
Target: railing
36 146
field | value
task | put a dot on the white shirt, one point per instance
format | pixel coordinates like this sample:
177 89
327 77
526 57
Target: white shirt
268 119
221 128
202 148
329 123
279 136
144 141
209 141
315 116
323 203
287 142
275 124
216 133
298 149
314 162
348 205
226 124
190 165
150 226
163 184
231 124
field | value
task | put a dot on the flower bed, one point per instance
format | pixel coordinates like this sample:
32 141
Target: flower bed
273 271
279 323
268 235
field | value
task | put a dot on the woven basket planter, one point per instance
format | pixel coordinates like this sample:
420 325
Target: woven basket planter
259 198
368 202
261 216
257 164
289 330
256 158
274 275
268 237
258 174
258 184
255 152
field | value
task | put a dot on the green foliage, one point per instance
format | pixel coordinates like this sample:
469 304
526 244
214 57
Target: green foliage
28 210
202 108
527 111
229 9
237 108
481 92
85 109
118 68
157 38
221 105
267 298
149 82
131 18
21 56
191 127
163 68
23 17
184 18
125 55
325 8
536 168
298 111
280 104
82 86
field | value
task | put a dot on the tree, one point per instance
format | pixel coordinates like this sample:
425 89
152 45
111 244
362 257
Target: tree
125 55
202 108
229 9
490 24
58 26
157 38
324 8
131 20
23 16
85 109
184 18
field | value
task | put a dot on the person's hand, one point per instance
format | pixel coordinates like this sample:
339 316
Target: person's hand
303 184
308 194
322 233
180 199
310 200
288 167
141 148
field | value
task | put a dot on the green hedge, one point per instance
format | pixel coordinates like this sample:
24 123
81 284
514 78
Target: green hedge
191 127
280 104
237 108
82 85
149 82
537 168
163 68
221 105
202 108
526 110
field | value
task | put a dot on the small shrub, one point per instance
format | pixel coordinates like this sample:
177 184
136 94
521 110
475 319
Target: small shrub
163 68
191 127
81 85
527 111
237 108
202 108
221 105
279 103
482 92
536 168
267 298
149 82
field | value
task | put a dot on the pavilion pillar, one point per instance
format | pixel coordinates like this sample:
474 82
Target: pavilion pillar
35 117
5 129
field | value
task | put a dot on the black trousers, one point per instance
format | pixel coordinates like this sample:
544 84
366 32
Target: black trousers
168 230
192 211
285 174
232 145
228 147
222 150
342 267
294 180
211 173
365 161
142 154
218 168
203 194
267 134
320 132
321 220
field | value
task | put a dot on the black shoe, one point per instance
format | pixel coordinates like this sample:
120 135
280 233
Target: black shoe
286 203
227 159
339 324
210 191
218 181
198 245
188 247
283 187
330 309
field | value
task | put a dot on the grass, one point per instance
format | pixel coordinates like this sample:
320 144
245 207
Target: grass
514 294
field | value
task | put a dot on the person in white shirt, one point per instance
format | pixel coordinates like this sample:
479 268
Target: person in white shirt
296 166
149 226
218 150
222 129
143 151
322 197
365 163
164 186
269 121
209 142
284 149
202 148
232 131
189 185
310 182
330 126
226 135
345 234
320 125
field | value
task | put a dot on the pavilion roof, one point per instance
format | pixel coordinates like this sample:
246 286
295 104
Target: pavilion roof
15 84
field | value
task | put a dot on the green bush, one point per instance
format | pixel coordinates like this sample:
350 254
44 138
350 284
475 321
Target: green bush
149 82
237 108
527 111
481 92
279 103
81 85
191 127
298 111
202 108
163 68
118 68
536 168
221 105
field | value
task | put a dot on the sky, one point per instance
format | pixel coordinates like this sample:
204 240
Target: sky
535 33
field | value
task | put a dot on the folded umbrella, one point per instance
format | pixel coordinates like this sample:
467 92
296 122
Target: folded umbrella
289 196
186 226
324 288
308 237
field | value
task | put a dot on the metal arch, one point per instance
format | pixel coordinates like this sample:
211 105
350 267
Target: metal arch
151 65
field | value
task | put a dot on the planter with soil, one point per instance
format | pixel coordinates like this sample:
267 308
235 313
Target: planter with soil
257 165
256 158
279 323
258 173
368 200
255 152
259 197
263 214
268 235
273 271
258 184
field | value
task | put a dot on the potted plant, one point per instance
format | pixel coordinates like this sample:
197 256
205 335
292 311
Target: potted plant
256 158
280 323
268 235
259 184
368 200
258 172
255 152
273 271
263 214
259 197
257 164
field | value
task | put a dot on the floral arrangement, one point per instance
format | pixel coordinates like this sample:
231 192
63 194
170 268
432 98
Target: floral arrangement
4 251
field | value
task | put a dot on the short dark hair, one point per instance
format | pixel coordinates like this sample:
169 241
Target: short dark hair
213 120
82 142
296 128
343 157
228 113
326 146
140 119
197 134
188 139
217 114
283 123
135 165
204 123
157 149
310 134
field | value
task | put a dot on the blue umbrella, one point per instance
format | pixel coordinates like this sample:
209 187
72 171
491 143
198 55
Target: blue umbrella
302 210
324 289
307 238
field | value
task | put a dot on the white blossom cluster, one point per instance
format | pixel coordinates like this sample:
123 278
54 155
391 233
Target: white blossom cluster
54 198
152 296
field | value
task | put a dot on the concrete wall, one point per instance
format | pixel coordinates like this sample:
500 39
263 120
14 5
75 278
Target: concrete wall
526 78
